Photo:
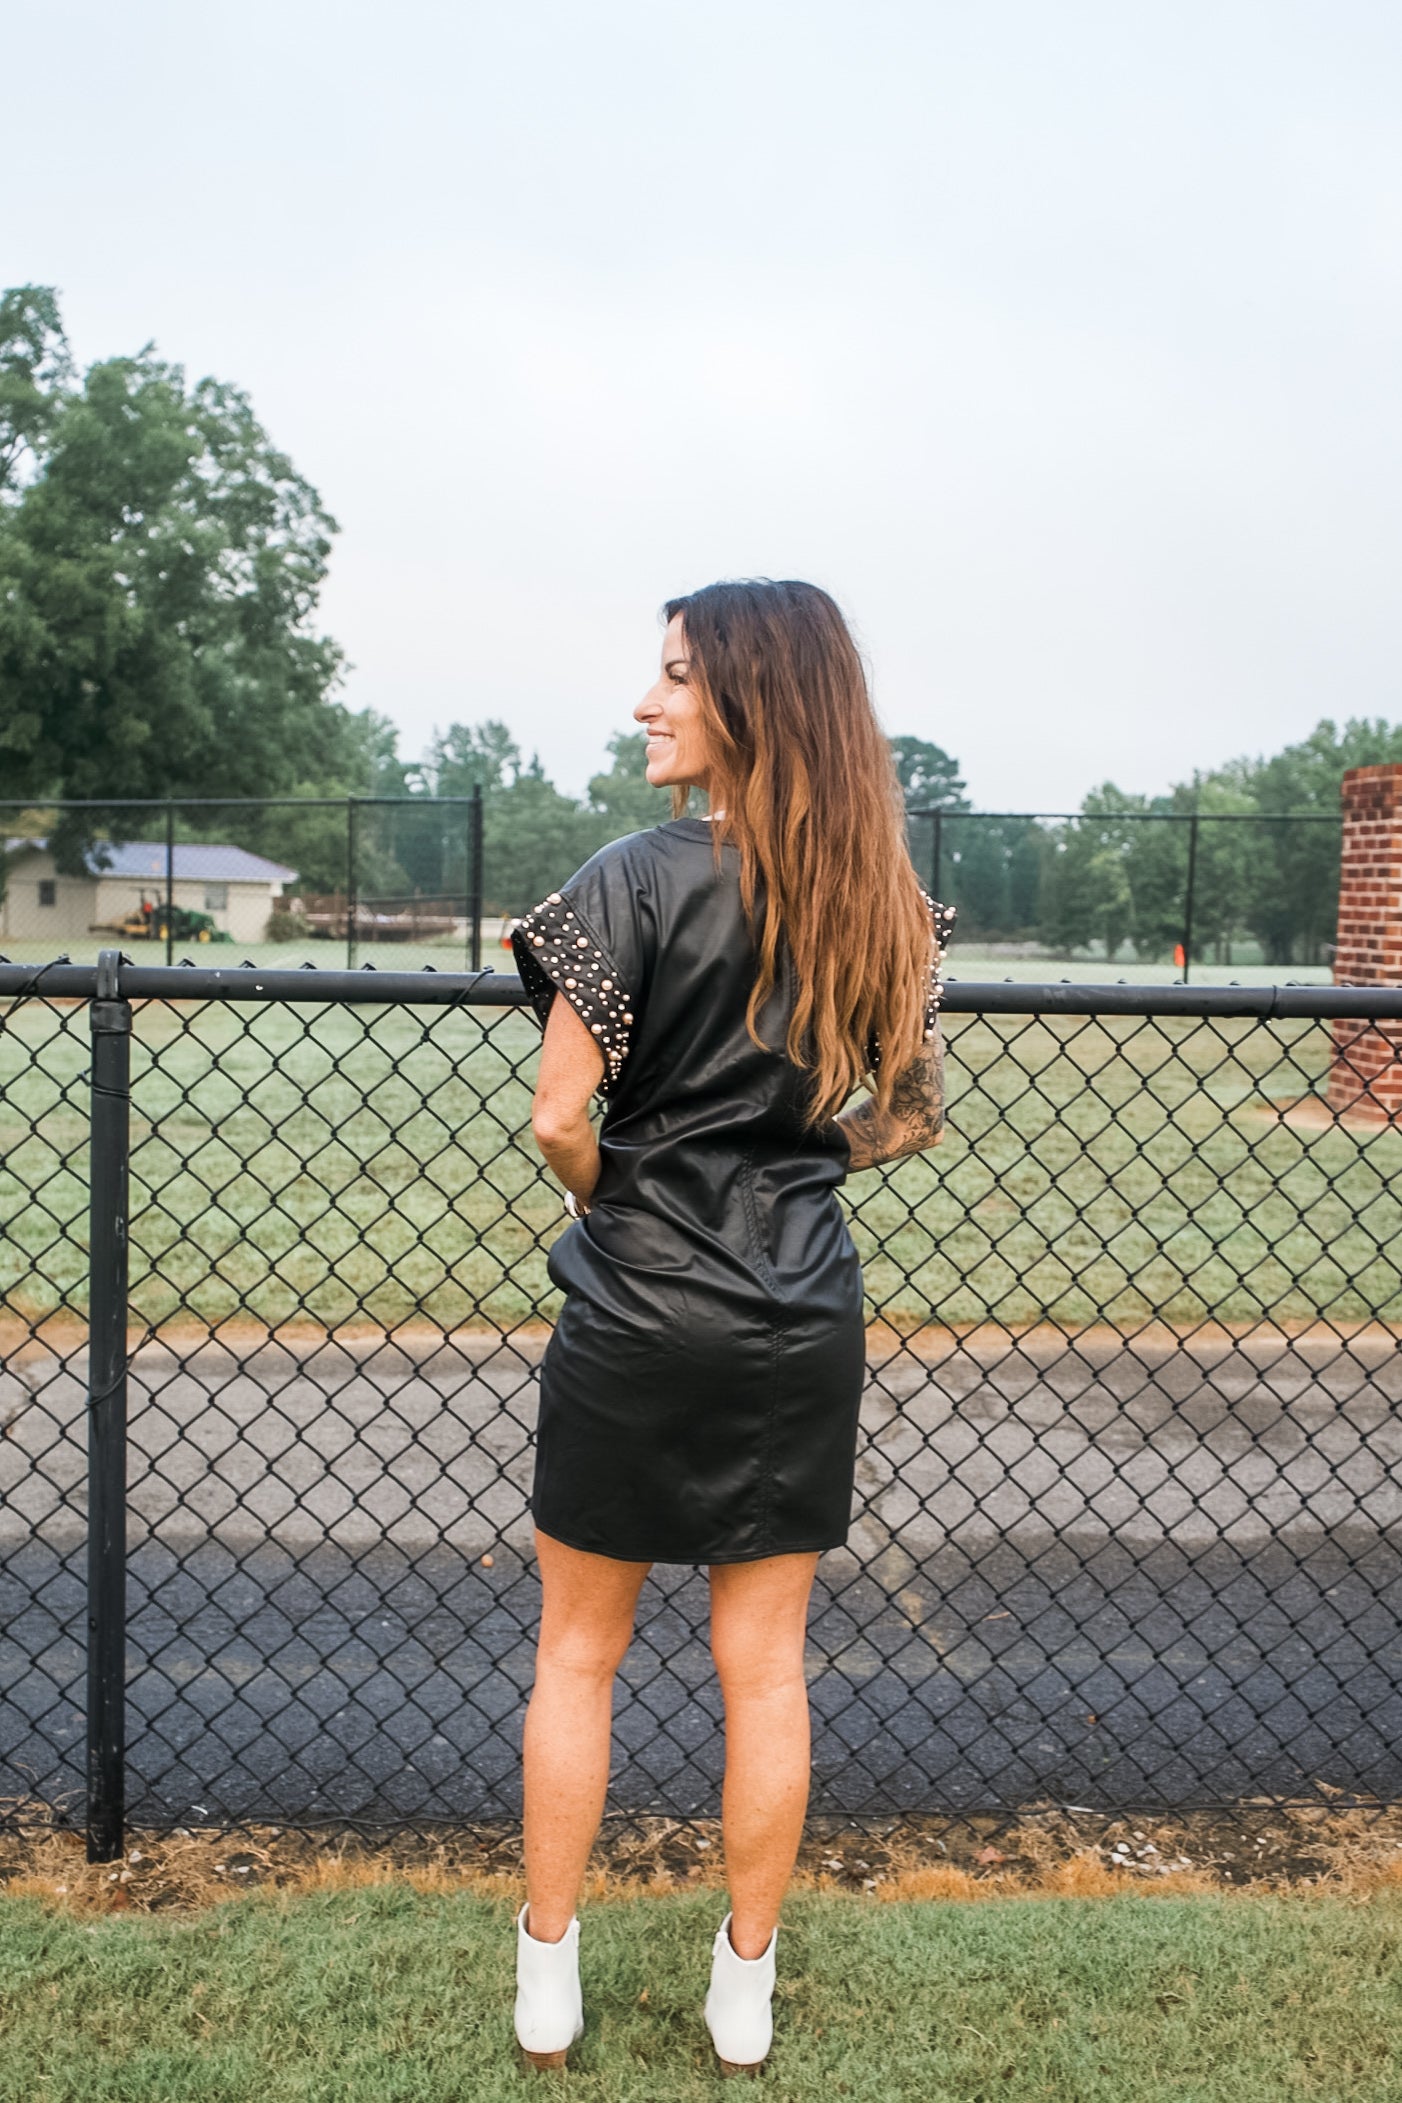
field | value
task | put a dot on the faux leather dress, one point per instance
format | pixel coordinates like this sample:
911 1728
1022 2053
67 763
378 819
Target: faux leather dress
700 1393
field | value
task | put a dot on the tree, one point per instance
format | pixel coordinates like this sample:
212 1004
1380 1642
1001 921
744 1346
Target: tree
533 838
929 778
36 372
468 755
160 562
1257 870
368 762
394 854
1227 850
1293 895
624 798
398 849
1089 895
991 868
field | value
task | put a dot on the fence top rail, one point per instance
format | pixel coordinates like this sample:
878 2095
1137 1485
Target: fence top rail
115 976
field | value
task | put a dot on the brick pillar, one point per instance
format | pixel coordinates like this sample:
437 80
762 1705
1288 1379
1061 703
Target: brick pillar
1365 1076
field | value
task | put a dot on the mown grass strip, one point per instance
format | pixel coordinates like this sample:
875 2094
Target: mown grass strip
390 1994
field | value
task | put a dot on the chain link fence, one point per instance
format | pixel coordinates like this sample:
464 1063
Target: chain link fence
1215 890
285 879
317 879
1128 1530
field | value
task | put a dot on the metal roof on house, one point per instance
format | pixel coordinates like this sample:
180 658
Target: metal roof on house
146 859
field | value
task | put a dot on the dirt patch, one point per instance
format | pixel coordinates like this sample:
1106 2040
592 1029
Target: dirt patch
1315 1113
1250 1847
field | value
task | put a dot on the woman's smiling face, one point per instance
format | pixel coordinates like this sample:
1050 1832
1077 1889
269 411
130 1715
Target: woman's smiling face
670 713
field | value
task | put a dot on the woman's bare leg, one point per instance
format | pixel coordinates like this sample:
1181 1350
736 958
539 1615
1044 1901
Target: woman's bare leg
586 1624
759 1613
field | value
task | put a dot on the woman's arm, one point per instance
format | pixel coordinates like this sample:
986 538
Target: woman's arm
571 1067
915 1119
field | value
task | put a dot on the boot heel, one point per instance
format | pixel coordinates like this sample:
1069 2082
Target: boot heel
543 2060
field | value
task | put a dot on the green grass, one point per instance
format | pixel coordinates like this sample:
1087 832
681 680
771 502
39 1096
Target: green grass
376 1164
450 954
384 1994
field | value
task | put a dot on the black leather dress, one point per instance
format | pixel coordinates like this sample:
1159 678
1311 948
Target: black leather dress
699 1396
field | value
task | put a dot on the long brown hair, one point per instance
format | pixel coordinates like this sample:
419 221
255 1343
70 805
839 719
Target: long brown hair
805 780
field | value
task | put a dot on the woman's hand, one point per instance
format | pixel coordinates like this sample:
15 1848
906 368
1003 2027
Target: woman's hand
571 1067
914 1121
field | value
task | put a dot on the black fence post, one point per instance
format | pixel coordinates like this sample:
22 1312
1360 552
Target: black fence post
109 1020
350 883
1188 898
935 856
170 881
474 882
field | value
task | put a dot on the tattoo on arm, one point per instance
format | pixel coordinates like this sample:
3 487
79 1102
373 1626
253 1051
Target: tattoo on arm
915 1119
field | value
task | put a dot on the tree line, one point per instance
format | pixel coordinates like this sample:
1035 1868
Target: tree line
160 568
1116 876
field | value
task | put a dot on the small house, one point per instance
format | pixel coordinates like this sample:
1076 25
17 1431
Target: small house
237 889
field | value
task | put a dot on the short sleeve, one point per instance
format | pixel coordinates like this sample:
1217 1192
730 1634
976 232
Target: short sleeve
942 925
942 918
589 941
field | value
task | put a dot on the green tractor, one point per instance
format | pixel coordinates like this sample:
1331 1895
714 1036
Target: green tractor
151 922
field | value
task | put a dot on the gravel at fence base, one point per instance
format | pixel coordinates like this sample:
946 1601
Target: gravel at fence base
1096 1570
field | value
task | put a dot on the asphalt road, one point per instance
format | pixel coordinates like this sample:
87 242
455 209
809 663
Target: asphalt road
1098 1572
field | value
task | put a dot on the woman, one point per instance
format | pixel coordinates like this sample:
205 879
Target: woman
727 982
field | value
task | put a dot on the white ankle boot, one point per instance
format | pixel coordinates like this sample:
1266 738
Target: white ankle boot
738 2013
549 2003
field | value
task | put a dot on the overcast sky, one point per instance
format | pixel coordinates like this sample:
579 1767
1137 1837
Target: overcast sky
1059 341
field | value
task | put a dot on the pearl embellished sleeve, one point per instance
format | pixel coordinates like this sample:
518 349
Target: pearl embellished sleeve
559 949
942 917
942 923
